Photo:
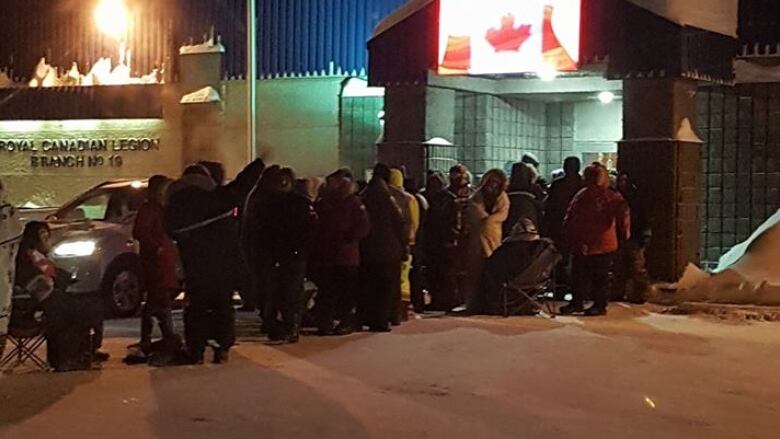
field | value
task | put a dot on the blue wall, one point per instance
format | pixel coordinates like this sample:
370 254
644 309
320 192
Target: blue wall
294 36
299 36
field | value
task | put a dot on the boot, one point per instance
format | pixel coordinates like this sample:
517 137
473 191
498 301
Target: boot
595 311
572 308
221 356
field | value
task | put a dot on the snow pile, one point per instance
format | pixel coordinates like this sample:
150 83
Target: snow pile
103 72
209 45
747 275
205 95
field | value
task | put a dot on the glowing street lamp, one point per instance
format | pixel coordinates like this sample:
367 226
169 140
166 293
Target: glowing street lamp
111 17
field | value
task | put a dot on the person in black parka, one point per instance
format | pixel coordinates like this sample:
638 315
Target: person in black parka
204 224
283 224
381 252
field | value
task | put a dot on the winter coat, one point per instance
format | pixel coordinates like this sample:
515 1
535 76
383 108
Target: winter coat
562 191
445 225
522 205
158 252
343 222
284 226
410 208
598 219
205 227
487 223
386 241
10 235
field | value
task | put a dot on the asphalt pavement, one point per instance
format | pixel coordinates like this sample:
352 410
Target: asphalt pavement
634 374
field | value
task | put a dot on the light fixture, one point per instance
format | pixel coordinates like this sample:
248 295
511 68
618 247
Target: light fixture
111 17
606 97
547 72
75 249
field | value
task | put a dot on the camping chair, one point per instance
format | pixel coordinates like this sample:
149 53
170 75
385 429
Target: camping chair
533 283
25 334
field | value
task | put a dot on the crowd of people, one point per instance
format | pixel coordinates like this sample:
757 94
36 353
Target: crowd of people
378 251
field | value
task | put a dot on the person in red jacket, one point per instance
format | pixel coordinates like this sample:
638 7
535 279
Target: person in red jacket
343 223
597 220
158 265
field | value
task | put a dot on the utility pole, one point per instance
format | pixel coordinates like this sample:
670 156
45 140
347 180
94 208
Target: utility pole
251 78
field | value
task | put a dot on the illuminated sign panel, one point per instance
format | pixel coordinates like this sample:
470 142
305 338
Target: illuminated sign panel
508 36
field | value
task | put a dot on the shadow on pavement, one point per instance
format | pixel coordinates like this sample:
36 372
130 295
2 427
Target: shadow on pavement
26 395
244 399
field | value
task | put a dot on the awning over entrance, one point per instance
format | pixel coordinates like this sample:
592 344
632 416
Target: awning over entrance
631 40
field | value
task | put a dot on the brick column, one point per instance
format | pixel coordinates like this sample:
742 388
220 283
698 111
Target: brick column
663 156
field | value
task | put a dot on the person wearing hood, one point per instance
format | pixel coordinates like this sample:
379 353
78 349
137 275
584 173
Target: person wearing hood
516 255
158 266
487 213
381 252
410 209
562 191
524 204
597 221
445 244
343 223
538 186
632 281
204 224
284 225
68 340
10 236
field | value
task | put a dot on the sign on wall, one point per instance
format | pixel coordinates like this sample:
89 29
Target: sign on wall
508 36
77 153
47 162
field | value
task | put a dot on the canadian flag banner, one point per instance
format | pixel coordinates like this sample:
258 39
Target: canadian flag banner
508 36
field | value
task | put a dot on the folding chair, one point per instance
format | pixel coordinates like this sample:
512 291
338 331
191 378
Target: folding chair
25 335
533 283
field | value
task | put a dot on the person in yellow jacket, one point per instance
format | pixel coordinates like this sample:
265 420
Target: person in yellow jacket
410 210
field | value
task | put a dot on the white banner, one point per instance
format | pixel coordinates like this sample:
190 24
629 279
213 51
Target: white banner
719 16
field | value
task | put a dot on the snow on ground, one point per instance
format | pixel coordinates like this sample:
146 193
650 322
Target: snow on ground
748 274
632 374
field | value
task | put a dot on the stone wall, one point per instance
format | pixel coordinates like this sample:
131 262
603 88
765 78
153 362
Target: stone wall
740 127
492 132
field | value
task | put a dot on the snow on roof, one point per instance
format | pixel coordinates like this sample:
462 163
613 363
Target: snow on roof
205 95
208 46
438 141
686 133
399 15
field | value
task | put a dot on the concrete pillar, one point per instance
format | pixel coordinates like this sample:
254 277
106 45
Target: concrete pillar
413 116
662 155
202 123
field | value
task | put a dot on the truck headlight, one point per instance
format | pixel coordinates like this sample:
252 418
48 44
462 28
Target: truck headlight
75 249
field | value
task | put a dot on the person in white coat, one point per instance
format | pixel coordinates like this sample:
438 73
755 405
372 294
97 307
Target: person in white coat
10 235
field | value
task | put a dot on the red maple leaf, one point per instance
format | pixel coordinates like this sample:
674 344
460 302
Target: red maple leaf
508 38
